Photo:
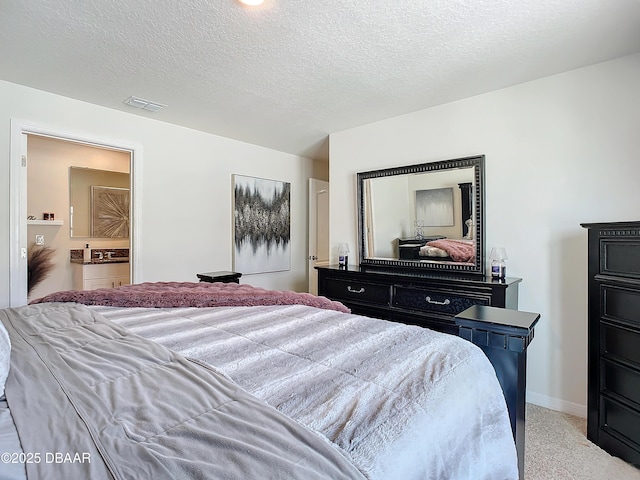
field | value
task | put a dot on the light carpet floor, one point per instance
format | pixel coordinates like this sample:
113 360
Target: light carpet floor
556 448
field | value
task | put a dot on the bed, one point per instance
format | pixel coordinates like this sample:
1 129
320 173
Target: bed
360 397
455 250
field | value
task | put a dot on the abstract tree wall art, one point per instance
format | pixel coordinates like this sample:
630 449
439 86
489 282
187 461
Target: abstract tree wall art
262 231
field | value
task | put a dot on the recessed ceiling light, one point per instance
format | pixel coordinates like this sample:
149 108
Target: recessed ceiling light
252 3
144 104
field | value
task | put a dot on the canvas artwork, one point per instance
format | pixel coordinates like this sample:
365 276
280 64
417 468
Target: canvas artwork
262 232
434 208
109 212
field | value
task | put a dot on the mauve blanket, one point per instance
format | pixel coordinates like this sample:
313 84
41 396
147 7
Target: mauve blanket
458 250
190 294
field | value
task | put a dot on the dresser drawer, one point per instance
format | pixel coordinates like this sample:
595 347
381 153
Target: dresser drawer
355 290
434 300
621 304
620 380
620 343
620 257
620 421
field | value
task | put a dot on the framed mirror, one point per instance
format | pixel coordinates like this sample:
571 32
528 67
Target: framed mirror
99 203
428 216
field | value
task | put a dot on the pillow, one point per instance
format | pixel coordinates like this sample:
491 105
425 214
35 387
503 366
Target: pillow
5 357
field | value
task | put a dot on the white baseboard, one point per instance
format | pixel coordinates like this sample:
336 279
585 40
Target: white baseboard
557 404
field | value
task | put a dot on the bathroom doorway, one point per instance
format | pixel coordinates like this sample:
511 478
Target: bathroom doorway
40 186
64 181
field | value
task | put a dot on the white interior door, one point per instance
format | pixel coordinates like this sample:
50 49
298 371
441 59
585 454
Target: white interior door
318 229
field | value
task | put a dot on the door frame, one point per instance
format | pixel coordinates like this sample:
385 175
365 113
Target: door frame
18 198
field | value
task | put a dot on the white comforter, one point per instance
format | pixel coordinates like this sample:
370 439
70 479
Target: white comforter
403 402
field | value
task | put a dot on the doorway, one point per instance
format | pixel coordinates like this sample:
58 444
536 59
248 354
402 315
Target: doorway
57 234
318 229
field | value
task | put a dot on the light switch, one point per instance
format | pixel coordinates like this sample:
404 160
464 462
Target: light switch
39 239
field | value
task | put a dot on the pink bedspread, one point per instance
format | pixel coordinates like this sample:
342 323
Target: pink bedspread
190 294
458 250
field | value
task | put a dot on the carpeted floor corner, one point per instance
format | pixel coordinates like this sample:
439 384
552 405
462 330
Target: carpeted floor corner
556 448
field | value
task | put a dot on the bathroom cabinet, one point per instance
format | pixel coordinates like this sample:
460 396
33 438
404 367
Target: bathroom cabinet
90 276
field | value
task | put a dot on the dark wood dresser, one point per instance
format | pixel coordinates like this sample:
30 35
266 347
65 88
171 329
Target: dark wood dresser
419 298
613 399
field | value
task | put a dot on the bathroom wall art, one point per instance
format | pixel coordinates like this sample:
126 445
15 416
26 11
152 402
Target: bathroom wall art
109 212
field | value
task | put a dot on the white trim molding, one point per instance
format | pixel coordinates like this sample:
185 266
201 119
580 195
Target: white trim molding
557 404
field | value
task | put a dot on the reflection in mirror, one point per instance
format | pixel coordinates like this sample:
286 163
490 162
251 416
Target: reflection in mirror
99 203
424 216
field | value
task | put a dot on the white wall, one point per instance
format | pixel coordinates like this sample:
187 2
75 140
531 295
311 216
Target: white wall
560 151
186 221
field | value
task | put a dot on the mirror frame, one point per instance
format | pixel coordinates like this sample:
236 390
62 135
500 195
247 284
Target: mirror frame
478 267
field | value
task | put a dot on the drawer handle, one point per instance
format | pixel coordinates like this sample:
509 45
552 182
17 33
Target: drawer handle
446 301
355 291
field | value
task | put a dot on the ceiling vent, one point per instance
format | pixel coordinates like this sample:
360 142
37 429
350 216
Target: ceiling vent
144 104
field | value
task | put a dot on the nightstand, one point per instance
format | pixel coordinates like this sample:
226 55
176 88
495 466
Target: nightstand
504 335
224 277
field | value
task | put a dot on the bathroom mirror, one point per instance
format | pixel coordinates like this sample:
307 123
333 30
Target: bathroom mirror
99 203
428 216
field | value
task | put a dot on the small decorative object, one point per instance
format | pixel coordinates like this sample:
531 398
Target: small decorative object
39 265
343 254
52 216
498 266
419 226
45 216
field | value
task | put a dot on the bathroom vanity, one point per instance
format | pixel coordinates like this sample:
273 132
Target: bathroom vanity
106 269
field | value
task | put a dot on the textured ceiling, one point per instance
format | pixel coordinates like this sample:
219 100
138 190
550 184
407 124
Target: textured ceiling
288 73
